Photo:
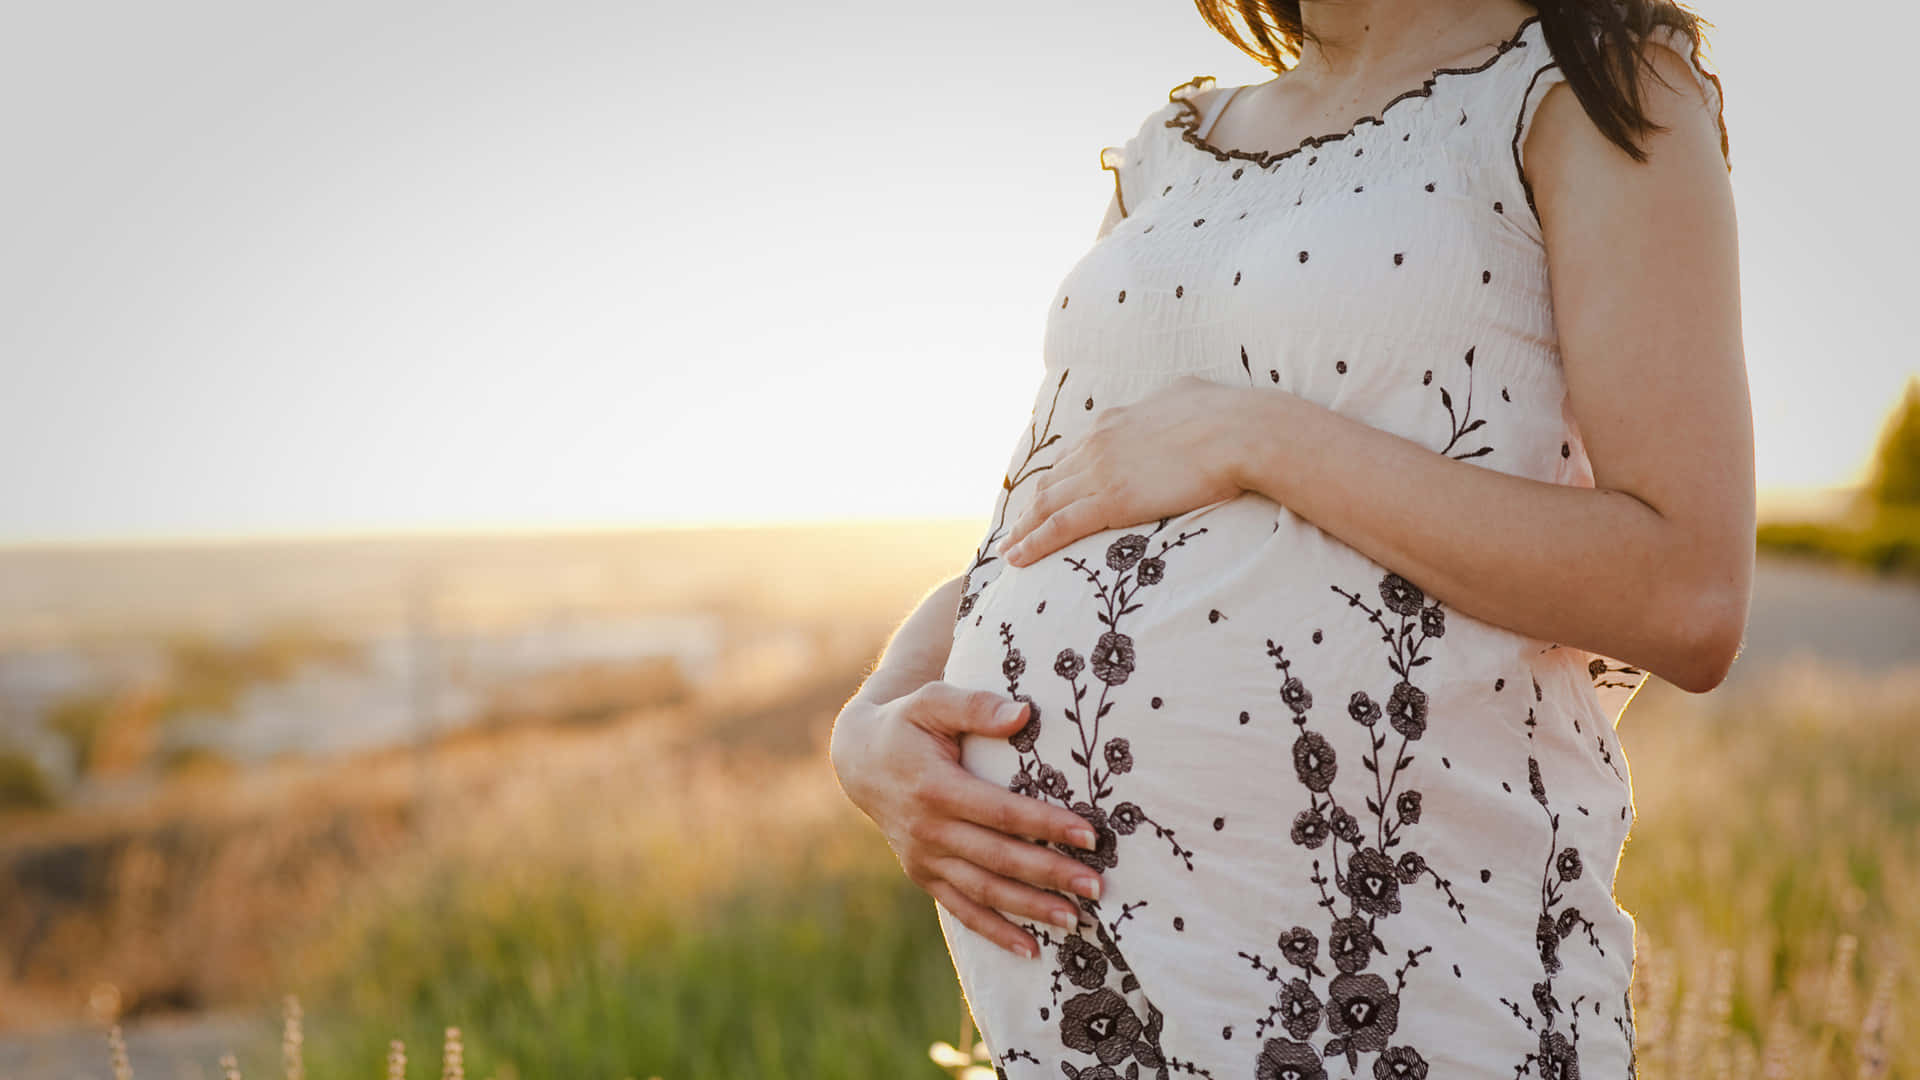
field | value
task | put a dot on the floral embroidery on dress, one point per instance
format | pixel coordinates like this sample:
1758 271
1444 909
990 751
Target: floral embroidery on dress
1557 1054
1359 1010
1037 440
1099 1021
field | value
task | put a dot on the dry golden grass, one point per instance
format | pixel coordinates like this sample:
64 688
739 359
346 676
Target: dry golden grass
1773 873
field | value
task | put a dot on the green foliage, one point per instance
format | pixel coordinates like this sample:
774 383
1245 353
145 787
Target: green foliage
1887 539
23 786
1882 530
824 975
1896 463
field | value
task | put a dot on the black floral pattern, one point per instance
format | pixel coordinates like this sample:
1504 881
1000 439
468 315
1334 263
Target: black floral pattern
1360 1009
1114 1027
1364 755
1557 1053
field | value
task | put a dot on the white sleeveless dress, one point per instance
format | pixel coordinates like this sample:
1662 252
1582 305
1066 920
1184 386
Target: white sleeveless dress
1344 830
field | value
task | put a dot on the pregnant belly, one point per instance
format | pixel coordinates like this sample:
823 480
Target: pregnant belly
1204 680
1292 756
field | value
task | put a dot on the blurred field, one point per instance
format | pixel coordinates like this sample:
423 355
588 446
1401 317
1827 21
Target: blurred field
675 887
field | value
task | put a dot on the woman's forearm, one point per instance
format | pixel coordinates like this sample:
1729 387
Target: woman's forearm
1595 569
917 653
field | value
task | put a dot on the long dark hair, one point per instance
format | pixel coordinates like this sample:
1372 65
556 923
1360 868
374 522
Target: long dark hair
1596 43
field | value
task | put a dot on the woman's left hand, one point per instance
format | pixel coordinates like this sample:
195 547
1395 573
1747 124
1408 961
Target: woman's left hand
1174 450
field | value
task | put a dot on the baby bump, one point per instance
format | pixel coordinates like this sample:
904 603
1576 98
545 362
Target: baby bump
1157 712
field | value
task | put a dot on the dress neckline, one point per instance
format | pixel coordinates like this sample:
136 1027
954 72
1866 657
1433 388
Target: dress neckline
1189 117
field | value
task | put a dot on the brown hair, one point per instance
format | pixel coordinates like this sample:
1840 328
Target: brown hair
1596 44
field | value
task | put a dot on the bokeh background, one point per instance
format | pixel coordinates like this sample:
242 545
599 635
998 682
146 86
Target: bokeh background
456 459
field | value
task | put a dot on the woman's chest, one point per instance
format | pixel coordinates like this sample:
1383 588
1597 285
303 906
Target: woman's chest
1318 249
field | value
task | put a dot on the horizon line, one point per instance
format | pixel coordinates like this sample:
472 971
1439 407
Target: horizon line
1777 496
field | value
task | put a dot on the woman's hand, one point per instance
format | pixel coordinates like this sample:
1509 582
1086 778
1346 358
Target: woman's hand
958 836
1172 451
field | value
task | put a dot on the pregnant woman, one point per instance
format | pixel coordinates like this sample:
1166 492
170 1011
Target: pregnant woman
1392 430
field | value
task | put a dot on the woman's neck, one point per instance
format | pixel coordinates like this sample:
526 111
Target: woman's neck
1363 41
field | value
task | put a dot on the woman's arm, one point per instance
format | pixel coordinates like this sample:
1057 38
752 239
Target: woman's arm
1654 564
917 653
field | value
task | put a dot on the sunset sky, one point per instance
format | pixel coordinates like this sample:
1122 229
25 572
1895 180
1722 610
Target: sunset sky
277 268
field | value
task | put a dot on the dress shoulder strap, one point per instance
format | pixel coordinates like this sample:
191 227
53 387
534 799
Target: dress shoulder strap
1214 110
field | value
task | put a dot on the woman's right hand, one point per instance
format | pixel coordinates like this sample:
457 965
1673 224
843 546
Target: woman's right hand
957 836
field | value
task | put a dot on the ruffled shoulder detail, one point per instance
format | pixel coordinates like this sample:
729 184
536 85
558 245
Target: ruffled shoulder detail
1187 113
1135 164
1545 71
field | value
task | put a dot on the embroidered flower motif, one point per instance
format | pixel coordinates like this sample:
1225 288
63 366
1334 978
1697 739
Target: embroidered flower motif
1024 784
1113 658
1082 961
1401 596
1053 781
1014 666
1299 1008
1373 882
1558 1058
1398 1063
1309 829
1569 864
1023 739
1364 710
1151 570
1569 918
1363 1009
1100 1023
1125 818
1068 665
1295 694
1126 551
1300 947
1119 757
1313 760
1284 1059
1433 621
1411 866
1407 709
1533 781
1547 940
1105 853
1408 805
1351 944
1345 825
1543 999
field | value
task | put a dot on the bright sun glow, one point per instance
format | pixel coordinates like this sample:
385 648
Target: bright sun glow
332 269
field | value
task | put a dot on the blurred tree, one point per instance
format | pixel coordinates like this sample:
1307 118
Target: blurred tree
23 786
1895 479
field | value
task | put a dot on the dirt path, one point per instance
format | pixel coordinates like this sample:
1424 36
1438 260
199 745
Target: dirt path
168 1048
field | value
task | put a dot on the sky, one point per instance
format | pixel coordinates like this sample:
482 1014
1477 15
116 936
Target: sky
372 267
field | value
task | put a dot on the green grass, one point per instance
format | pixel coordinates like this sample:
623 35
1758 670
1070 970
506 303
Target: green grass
812 977
1777 828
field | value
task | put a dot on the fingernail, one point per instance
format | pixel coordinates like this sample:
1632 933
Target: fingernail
1084 837
1089 887
1010 711
1065 921
1024 949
